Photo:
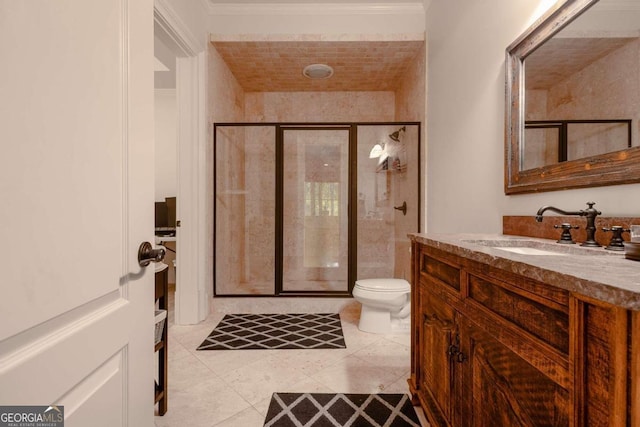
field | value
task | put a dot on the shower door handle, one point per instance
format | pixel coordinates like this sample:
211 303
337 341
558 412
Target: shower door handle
402 208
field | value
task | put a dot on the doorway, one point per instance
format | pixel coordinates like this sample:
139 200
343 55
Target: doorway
191 292
306 209
166 53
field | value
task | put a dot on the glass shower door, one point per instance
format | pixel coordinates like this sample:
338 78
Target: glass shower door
245 200
315 222
308 209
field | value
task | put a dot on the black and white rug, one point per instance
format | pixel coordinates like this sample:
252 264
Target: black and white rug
335 410
276 331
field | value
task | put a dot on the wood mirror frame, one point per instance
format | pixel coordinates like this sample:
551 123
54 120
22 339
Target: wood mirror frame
619 167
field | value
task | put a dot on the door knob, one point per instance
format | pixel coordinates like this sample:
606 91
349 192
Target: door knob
146 254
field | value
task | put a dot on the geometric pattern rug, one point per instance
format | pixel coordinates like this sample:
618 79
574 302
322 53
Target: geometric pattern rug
334 410
276 331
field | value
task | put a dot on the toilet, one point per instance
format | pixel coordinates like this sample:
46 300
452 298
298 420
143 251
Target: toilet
386 305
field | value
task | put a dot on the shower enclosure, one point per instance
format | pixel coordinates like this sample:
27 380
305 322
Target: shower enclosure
307 209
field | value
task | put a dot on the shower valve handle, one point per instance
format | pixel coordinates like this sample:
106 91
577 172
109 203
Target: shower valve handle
402 208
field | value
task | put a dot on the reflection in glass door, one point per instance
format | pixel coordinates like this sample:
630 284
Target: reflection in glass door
315 220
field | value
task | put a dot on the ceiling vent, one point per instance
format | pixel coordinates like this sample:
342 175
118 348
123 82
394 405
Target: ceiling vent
317 71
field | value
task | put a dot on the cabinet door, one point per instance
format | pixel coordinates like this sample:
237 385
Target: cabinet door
438 330
501 389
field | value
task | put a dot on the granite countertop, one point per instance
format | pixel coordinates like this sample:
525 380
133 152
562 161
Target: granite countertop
594 272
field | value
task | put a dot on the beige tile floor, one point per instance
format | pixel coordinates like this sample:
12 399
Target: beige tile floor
233 388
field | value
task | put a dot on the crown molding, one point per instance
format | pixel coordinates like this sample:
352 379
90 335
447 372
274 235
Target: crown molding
170 21
392 37
235 9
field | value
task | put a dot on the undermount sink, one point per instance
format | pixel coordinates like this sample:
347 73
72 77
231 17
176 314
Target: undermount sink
529 251
539 248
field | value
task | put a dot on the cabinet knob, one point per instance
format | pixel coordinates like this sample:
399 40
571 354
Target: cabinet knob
452 351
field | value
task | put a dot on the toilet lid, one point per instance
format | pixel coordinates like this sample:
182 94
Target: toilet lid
382 285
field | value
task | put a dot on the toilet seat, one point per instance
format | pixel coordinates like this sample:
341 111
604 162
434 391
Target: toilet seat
384 285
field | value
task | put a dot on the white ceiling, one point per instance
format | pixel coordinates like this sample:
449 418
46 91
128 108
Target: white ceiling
263 2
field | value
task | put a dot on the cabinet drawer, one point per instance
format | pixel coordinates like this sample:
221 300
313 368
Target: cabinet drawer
548 323
444 272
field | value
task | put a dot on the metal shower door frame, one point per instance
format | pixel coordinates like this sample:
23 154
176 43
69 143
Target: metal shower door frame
280 127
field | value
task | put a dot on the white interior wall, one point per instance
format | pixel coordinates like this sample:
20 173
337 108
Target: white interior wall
328 19
465 121
166 137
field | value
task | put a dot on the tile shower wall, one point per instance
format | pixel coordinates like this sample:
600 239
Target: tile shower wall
229 103
260 207
320 106
230 202
376 251
610 95
375 242
410 107
315 259
383 246
404 188
225 103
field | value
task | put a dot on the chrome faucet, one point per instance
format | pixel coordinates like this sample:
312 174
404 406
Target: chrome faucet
590 213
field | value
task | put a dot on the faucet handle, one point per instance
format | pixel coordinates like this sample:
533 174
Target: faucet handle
565 237
616 229
591 208
566 226
616 237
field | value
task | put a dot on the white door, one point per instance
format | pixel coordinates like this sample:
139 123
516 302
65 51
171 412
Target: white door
76 201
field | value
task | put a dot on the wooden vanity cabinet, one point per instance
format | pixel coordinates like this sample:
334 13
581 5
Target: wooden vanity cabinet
438 332
492 348
503 389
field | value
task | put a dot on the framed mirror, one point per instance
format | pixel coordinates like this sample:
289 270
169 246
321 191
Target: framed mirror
573 98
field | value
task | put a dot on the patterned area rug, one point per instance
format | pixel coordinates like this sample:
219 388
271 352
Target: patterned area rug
334 410
276 331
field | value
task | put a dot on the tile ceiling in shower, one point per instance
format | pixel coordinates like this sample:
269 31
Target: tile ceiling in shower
276 66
